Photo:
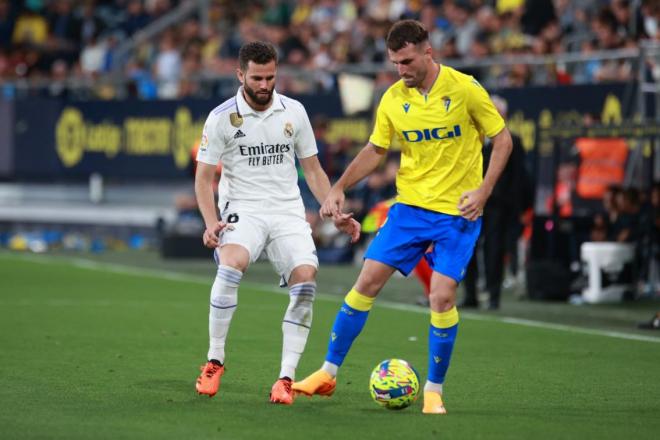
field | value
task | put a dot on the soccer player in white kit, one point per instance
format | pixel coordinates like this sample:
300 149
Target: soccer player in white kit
257 135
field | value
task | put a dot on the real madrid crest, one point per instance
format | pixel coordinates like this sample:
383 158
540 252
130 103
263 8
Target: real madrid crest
288 129
236 119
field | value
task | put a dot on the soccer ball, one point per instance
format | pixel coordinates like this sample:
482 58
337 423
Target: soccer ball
394 384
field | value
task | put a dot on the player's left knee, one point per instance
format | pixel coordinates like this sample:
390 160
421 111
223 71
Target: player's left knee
442 297
301 302
305 273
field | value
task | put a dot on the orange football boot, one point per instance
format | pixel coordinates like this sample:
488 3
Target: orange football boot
320 382
433 403
282 392
209 381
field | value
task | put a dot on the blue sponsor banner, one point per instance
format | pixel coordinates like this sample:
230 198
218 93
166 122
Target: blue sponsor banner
56 139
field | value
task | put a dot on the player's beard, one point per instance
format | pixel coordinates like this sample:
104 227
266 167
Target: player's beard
262 97
416 80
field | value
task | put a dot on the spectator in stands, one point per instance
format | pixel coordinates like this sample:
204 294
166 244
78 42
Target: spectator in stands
503 208
626 226
599 229
190 68
31 27
603 221
538 13
89 25
464 26
246 31
648 247
588 72
650 12
328 34
157 8
136 18
7 20
141 83
93 57
624 15
168 67
276 13
610 203
57 84
64 26
605 28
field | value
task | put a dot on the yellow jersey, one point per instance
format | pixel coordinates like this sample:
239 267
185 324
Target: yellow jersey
441 136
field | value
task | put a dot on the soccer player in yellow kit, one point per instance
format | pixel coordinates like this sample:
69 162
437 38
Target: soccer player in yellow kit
440 117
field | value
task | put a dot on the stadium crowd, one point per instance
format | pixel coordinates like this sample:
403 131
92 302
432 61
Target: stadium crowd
56 40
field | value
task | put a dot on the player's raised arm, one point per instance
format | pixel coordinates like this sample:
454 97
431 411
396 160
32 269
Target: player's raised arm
364 163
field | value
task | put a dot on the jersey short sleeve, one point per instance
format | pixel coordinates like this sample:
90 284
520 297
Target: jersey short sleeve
305 142
383 131
482 110
212 144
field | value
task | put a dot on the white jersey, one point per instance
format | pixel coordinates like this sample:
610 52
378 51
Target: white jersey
257 152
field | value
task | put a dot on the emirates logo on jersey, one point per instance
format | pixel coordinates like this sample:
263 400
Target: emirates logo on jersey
264 154
288 129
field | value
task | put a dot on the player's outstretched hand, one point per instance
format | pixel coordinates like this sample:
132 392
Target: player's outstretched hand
348 225
333 203
471 204
211 235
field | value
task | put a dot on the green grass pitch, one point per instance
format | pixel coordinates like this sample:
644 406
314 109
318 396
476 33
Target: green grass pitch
91 353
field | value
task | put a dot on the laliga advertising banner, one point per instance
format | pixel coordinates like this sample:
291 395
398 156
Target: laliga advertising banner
56 139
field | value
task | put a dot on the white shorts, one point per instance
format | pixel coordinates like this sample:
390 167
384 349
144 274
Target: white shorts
286 238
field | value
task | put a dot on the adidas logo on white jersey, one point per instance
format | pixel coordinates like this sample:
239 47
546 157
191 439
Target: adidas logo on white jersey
239 134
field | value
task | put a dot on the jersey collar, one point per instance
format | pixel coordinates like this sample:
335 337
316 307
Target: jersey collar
244 108
433 84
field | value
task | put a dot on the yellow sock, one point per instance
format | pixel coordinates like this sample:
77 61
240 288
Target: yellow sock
358 301
444 319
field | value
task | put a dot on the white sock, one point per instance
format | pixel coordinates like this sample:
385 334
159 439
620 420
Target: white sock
295 326
330 368
224 299
432 386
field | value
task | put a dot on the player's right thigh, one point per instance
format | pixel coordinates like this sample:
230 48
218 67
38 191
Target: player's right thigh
243 240
402 240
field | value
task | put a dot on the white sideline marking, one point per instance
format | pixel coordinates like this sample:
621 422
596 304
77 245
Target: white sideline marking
528 323
177 276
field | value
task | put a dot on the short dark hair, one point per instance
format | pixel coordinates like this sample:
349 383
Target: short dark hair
259 52
404 32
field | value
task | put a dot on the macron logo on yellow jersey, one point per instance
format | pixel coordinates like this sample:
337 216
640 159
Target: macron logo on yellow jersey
431 134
